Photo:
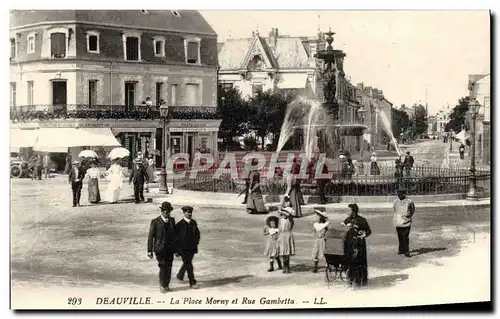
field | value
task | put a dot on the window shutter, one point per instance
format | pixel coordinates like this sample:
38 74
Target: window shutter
192 52
58 43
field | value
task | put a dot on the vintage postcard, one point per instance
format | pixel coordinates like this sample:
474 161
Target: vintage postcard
184 159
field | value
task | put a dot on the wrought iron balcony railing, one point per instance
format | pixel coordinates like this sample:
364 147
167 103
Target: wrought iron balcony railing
83 111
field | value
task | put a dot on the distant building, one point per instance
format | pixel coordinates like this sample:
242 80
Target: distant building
276 62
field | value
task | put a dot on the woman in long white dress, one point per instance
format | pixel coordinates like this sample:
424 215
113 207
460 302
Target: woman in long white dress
115 178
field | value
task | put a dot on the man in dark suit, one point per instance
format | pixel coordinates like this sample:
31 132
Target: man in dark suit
75 178
162 241
138 176
188 238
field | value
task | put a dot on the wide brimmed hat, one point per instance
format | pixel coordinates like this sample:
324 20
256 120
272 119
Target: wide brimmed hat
166 206
272 218
321 212
76 162
137 161
286 211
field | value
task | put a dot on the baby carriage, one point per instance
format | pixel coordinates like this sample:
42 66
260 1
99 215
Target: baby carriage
335 254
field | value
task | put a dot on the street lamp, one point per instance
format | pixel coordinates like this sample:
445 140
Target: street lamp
473 109
361 114
163 173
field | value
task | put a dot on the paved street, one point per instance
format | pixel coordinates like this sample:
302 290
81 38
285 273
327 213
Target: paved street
53 243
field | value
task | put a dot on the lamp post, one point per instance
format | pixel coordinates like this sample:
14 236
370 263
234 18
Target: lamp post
163 173
473 108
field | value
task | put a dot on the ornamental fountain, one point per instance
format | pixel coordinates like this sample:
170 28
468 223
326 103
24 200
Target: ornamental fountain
318 119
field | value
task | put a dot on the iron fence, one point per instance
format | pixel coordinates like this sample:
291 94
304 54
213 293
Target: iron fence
421 181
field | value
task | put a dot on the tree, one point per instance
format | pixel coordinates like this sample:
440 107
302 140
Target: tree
420 119
234 111
458 116
400 121
267 113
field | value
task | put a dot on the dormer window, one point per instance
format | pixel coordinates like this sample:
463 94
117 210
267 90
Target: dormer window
159 46
131 46
13 48
31 43
92 41
58 45
175 13
192 50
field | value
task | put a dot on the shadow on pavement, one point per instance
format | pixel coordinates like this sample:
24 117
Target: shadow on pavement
216 282
425 250
385 281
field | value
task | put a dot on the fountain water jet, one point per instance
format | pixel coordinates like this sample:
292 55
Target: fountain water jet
386 126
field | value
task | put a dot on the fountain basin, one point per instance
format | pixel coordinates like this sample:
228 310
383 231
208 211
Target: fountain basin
343 129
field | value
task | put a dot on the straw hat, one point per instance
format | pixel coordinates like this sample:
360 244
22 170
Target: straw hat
321 213
286 211
76 162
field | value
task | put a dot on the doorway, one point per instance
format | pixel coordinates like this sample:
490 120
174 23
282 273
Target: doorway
129 95
59 92
190 149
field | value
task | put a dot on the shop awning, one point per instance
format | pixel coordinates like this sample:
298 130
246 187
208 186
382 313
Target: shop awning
293 81
52 138
23 137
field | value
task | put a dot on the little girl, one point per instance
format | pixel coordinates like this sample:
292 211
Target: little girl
272 233
320 228
286 242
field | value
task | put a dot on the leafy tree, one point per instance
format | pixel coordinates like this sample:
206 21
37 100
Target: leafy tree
458 116
234 111
400 121
420 119
267 113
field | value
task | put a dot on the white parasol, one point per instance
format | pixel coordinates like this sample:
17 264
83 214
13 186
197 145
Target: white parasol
88 153
119 152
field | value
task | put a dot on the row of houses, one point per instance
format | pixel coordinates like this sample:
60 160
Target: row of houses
107 72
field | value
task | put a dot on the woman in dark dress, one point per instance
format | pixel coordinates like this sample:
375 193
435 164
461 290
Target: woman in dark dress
356 252
255 201
293 190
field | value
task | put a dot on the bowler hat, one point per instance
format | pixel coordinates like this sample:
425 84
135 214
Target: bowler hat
187 209
166 206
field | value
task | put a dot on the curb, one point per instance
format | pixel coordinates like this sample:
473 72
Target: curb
368 207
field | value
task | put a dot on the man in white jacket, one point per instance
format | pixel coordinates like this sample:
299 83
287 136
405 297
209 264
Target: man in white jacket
404 208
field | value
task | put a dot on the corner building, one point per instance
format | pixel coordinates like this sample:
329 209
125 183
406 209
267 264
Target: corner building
111 70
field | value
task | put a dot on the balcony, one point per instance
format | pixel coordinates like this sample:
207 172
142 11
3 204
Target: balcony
81 111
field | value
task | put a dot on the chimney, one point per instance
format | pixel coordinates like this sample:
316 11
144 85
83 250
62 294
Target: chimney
253 34
272 37
276 32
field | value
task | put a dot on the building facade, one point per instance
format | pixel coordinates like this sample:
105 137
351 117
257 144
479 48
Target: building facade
276 62
113 69
483 124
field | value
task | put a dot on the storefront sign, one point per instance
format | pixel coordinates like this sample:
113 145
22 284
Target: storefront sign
193 129
117 125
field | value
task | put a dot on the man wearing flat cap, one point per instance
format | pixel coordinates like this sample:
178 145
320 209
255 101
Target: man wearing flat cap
162 242
188 239
404 208
75 178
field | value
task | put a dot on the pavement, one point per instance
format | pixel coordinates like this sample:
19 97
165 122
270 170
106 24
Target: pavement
216 200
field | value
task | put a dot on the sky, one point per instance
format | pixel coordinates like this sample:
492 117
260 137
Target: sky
403 53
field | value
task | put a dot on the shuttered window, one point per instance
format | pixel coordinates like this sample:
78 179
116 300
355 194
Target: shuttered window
58 45
132 48
192 52
191 97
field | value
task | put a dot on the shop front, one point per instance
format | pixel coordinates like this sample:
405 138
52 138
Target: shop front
191 136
